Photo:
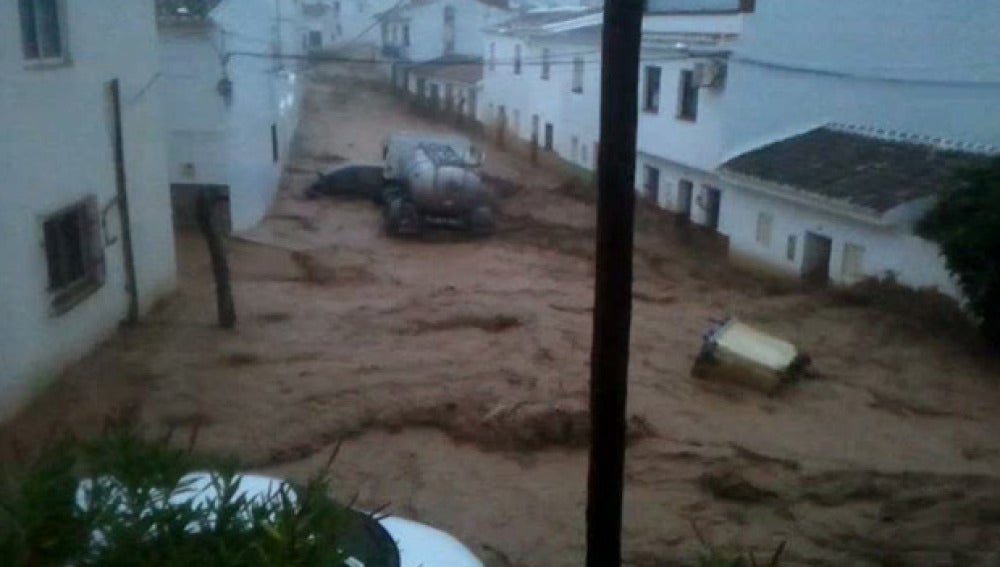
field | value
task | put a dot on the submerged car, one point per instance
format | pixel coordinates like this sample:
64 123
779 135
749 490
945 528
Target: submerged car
352 180
370 540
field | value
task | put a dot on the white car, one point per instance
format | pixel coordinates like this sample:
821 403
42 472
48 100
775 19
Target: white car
397 542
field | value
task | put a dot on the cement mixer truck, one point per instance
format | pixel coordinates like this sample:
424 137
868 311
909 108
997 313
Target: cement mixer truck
433 179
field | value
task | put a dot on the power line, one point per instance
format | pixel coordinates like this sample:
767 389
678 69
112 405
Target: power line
854 75
377 21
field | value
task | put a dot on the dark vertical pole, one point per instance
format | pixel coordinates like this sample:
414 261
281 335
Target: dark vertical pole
225 306
121 186
613 287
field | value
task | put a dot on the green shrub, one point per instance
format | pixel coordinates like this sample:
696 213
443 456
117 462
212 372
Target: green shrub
966 223
125 519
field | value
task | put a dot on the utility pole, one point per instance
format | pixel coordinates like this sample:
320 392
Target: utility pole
622 38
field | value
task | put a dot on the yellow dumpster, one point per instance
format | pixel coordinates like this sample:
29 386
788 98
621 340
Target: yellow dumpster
735 352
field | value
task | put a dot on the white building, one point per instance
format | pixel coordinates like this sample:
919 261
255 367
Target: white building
65 285
232 90
542 82
685 47
320 21
356 23
792 84
418 31
449 86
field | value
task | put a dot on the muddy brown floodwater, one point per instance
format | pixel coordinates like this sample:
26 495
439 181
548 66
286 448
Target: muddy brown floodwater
455 370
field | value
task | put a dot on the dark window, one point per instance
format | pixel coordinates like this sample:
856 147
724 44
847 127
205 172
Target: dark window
549 136
546 66
493 56
406 35
41 33
687 107
651 183
315 39
74 253
578 74
651 95
274 143
517 59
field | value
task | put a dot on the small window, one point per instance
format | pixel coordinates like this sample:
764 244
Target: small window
852 267
493 56
764 225
574 148
790 248
546 65
578 74
584 157
517 122
517 59
406 34
41 30
549 136
687 106
651 183
74 253
651 95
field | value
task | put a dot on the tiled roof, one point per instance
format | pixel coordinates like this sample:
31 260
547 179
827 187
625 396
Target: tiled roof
858 167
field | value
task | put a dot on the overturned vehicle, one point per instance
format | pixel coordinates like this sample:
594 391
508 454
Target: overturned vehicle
737 353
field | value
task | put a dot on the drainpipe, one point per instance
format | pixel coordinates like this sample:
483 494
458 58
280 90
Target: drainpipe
122 199
622 34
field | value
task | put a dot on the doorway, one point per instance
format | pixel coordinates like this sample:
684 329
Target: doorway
685 190
816 258
713 202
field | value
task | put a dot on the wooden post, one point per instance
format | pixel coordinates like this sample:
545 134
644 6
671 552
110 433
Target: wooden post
613 287
207 199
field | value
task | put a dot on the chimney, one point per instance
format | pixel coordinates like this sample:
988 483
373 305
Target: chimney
748 6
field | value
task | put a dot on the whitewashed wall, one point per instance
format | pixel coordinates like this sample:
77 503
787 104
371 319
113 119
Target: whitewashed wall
426 22
920 66
229 143
357 21
524 95
56 149
696 143
914 261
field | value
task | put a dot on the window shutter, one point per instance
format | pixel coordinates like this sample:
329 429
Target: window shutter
92 240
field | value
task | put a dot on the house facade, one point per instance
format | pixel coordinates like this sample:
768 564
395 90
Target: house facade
682 77
542 82
782 81
76 266
233 89
356 22
320 21
418 31
449 86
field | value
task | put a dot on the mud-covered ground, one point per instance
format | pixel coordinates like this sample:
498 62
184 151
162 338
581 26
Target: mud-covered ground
455 372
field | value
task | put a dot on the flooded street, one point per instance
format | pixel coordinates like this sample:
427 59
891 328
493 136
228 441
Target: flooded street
454 370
